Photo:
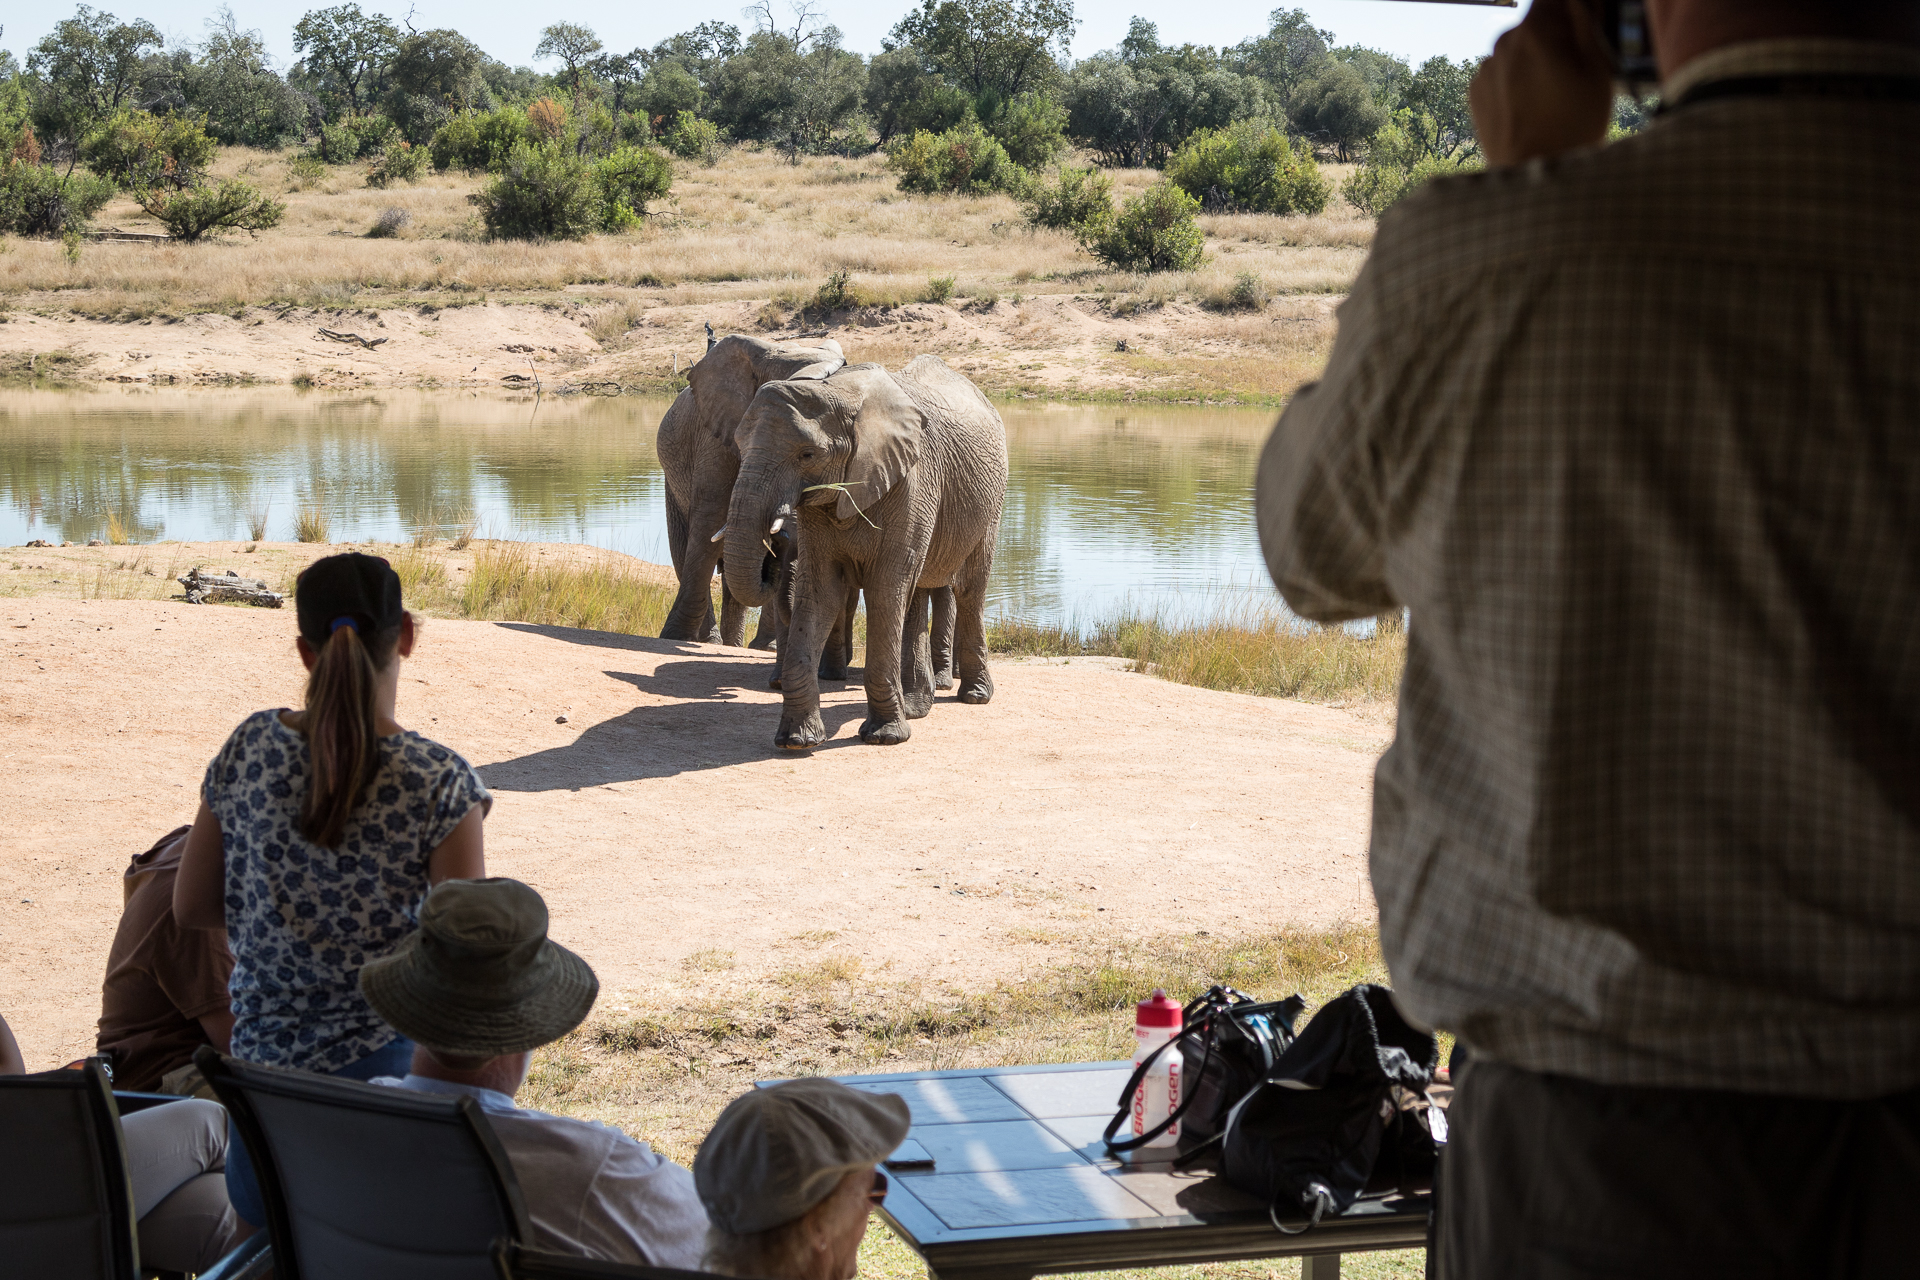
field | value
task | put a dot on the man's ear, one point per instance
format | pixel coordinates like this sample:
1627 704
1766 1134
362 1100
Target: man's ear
888 430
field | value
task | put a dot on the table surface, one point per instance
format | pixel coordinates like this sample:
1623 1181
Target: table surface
1023 1184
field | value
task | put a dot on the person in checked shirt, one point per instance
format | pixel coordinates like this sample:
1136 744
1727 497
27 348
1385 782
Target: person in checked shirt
1633 433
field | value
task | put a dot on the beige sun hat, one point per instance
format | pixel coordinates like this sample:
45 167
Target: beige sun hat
480 977
774 1153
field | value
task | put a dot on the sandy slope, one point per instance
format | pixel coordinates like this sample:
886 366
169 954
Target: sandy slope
1084 802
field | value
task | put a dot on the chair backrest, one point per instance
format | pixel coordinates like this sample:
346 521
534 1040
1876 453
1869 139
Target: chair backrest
66 1204
364 1182
517 1262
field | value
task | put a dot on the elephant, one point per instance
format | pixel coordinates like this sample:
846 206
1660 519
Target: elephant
699 461
896 481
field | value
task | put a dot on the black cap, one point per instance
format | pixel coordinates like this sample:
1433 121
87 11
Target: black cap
352 589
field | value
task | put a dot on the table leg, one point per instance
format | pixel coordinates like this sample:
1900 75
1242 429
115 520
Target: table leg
1320 1266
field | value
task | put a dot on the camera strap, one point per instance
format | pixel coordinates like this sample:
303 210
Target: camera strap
1837 87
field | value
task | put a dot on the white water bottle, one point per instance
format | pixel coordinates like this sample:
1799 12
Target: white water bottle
1156 1020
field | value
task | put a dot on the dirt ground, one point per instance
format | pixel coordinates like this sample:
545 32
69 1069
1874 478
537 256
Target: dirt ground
637 787
1054 345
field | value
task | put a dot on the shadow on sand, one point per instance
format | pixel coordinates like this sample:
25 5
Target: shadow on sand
705 725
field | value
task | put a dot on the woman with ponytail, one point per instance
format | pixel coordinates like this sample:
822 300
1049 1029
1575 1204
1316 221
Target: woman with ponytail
319 833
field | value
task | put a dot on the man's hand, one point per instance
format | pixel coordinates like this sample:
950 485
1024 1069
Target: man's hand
1547 89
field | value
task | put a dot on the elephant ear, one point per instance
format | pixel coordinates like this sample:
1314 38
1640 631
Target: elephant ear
888 431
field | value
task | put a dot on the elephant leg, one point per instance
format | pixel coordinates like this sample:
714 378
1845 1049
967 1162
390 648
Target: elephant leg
692 615
887 609
817 591
943 618
733 618
970 625
838 655
916 665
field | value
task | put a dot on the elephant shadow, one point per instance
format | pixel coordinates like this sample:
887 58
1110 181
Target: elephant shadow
705 725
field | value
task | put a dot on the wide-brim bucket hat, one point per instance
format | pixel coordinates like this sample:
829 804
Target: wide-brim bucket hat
480 977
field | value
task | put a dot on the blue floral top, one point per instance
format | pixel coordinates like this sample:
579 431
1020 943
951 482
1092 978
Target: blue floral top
301 919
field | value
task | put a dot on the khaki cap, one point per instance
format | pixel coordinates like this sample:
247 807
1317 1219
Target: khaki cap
480 977
774 1153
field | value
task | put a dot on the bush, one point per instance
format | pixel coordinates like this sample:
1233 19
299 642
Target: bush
1155 232
1397 162
1251 167
546 121
1077 200
35 200
1033 129
939 288
965 159
477 140
692 138
139 149
390 223
628 180
353 138
400 161
1247 293
234 205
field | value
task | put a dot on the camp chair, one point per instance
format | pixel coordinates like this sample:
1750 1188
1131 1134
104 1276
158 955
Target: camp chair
517 1262
367 1182
66 1204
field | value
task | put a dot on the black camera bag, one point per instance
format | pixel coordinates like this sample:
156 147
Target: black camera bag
1344 1113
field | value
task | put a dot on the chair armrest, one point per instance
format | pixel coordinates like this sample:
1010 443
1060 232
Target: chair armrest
128 1103
250 1260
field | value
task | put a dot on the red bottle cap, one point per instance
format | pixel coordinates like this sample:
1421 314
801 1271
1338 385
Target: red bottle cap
1157 1011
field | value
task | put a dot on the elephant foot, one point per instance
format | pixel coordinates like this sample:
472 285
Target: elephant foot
977 690
916 705
884 733
801 733
775 682
943 678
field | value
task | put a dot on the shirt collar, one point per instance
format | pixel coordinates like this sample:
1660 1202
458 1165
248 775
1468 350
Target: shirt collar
490 1100
1798 57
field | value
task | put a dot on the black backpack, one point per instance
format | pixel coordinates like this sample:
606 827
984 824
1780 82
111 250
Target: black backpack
1343 1114
1228 1043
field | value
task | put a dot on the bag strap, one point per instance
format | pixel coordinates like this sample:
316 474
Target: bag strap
1203 1025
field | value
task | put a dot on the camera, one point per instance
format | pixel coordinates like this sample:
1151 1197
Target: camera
1624 25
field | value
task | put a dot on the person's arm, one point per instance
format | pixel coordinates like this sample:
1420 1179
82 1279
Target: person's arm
219 1028
1548 87
462 855
11 1062
199 888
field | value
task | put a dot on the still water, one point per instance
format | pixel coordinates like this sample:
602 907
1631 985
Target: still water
1108 506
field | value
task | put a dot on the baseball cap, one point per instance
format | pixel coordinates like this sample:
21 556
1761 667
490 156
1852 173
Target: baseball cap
776 1152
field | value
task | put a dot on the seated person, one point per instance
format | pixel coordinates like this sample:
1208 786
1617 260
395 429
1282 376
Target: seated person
176 1162
788 1177
476 988
165 993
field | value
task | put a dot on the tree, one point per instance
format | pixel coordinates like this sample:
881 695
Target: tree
826 91
753 90
89 66
234 205
440 64
622 73
345 49
1437 97
1336 107
704 51
1136 104
232 84
994 49
904 94
1154 232
669 89
1387 76
574 45
1285 57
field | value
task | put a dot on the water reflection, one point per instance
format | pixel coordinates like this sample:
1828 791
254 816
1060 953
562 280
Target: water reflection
1148 507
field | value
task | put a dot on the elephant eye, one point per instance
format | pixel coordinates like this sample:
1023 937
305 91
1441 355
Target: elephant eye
806 455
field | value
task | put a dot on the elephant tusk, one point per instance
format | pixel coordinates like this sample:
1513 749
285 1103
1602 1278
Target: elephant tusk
776 526
718 534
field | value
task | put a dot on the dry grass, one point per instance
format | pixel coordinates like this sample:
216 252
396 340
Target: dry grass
1253 651
663 1074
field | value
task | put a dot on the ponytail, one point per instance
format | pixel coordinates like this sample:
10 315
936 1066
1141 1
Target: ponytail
343 731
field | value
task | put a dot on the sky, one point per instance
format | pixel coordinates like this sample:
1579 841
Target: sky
1415 31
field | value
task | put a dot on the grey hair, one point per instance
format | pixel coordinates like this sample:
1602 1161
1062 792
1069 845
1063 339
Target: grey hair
778 1253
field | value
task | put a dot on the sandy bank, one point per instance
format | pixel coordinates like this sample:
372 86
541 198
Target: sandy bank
1084 802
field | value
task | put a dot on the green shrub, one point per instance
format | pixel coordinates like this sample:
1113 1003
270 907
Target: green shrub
628 180
234 205
1250 167
1155 232
35 200
306 170
965 159
939 288
1397 162
542 193
692 138
399 161
1033 129
1077 200
139 149
353 138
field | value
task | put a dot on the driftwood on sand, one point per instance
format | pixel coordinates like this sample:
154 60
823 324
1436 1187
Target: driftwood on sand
228 588
337 336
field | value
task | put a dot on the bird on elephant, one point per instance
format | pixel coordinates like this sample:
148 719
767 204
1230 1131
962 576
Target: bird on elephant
895 482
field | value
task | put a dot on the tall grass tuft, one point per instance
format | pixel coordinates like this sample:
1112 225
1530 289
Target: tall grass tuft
312 522
600 595
119 529
1252 651
257 521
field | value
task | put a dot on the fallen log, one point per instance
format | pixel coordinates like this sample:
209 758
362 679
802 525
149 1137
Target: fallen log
351 337
228 588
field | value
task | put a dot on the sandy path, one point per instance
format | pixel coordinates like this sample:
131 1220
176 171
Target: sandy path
1084 802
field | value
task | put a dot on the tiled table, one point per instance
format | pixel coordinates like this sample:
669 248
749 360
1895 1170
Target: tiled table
1022 1185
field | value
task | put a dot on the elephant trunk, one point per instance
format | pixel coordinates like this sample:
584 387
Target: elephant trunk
752 560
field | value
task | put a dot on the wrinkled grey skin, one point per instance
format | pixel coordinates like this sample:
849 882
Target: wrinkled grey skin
699 461
837 656
922 457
